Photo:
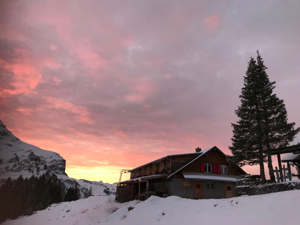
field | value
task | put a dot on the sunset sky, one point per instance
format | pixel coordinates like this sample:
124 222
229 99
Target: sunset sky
111 85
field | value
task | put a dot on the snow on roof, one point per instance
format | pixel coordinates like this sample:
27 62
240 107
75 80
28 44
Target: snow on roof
290 157
140 179
200 176
202 153
206 150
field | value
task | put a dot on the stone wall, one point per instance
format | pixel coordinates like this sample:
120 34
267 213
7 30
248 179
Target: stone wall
267 188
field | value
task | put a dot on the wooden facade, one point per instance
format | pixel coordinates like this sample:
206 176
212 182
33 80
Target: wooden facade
193 175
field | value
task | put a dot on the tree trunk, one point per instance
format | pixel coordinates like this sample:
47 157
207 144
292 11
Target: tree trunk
261 165
259 137
270 165
267 126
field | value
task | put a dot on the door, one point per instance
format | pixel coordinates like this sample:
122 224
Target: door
229 190
198 189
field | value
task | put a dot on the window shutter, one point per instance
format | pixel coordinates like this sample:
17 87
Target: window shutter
215 168
219 168
202 167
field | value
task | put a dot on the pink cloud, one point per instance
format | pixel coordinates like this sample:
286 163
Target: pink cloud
25 111
26 68
167 76
26 78
89 58
49 62
56 80
140 90
9 33
81 113
53 47
211 23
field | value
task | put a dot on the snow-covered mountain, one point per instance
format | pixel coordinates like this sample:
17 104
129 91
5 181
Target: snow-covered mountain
19 158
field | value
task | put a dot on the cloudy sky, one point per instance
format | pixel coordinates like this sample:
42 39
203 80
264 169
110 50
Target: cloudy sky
114 84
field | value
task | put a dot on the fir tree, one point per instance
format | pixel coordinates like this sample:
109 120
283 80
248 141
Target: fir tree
276 129
23 197
246 147
262 124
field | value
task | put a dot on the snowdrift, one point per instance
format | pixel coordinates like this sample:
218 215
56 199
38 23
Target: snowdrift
271 209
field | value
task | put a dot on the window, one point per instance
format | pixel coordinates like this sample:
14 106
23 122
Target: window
228 188
208 168
198 186
210 186
224 169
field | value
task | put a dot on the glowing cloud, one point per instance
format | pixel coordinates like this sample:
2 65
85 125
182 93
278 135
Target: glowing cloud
25 111
211 23
26 78
82 114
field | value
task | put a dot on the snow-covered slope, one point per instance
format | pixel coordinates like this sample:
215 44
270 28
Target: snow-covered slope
84 211
270 209
97 188
19 158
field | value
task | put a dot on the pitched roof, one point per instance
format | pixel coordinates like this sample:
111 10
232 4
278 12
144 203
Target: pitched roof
160 159
291 157
202 153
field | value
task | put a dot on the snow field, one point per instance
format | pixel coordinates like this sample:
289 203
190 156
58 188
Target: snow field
84 211
271 209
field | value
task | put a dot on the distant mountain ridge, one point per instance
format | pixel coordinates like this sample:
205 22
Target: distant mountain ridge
19 158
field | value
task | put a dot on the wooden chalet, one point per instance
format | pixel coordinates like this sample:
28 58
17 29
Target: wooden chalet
200 175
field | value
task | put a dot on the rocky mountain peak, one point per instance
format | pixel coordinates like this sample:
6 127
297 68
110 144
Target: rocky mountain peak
19 158
2 125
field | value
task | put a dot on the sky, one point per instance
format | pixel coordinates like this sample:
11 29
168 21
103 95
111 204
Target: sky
111 85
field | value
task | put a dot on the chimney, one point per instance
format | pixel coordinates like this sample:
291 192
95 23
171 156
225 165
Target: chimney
198 149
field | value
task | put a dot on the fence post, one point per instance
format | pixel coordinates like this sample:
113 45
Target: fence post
280 168
289 169
284 173
277 175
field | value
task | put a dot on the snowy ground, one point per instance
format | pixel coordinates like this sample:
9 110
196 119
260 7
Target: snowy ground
84 211
271 209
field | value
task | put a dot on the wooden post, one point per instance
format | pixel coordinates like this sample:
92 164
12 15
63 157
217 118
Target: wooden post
139 190
284 174
132 192
147 189
277 175
280 167
274 174
289 169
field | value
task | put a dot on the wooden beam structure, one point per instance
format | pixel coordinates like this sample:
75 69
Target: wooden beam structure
147 189
139 194
289 170
290 149
280 167
295 149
